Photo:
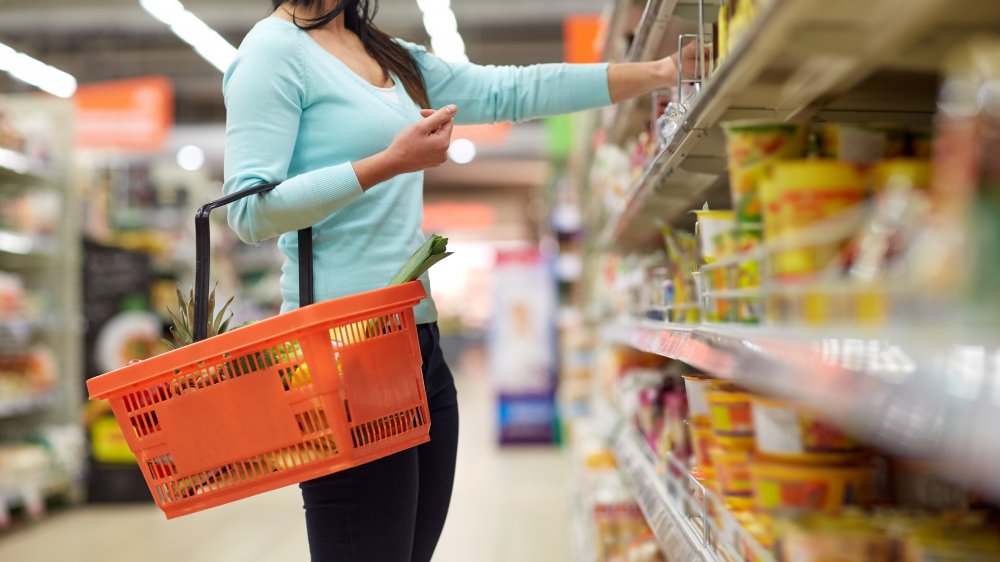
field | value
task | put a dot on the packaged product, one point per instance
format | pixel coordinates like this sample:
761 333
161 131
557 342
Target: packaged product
917 484
697 387
722 37
754 538
643 548
961 237
789 488
732 418
854 143
706 476
785 431
702 441
732 468
682 252
943 538
675 437
818 538
909 173
710 225
752 147
811 191
710 229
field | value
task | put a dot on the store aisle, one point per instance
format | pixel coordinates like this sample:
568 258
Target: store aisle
509 505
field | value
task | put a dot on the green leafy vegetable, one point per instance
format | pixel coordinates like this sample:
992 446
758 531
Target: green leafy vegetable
433 250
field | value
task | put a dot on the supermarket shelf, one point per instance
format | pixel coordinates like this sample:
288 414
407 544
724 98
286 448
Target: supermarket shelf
20 167
13 407
613 49
853 61
648 37
24 245
31 495
675 533
927 391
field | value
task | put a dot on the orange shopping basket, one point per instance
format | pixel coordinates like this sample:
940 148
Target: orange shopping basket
308 393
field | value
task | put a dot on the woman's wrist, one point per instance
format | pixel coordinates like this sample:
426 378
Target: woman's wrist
376 169
628 80
665 72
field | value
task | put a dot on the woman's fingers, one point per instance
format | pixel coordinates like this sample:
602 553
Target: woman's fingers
439 118
446 129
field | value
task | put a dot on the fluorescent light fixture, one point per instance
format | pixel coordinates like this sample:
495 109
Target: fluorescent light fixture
433 5
206 41
442 26
440 23
35 72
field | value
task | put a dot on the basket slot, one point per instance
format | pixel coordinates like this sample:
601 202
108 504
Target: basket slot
348 335
313 422
295 376
370 433
254 468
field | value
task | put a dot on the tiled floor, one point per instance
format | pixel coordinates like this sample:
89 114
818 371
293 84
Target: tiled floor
509 506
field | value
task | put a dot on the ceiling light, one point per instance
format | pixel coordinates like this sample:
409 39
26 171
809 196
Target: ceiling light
440 23
35 72
206 41
462 151
191 158
442 27
433 5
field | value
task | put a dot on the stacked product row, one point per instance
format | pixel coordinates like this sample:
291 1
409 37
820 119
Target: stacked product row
810 491
798 488
612 526
834 224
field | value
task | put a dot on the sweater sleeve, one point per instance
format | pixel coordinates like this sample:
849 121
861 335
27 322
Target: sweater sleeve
265 91
491 94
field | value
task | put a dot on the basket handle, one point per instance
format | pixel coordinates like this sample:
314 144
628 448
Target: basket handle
203 259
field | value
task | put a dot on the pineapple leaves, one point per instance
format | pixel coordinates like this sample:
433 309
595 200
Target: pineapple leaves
182 332
216 326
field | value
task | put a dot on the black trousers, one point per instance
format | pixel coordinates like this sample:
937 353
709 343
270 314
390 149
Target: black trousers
392 509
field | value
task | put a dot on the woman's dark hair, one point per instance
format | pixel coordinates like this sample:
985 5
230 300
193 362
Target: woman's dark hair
358 16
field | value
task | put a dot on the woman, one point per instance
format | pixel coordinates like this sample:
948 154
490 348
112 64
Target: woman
344 116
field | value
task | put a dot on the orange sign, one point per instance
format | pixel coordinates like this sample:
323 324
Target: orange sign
134 115
446 217
580 33
496 133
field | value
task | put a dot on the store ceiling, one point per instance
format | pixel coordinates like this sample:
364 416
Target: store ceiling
107 39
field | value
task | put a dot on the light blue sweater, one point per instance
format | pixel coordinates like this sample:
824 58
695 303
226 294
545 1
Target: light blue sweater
298 115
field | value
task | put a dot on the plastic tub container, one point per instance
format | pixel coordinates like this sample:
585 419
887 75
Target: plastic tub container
809 191
732 418
784 431
752 147
825 539
794 488
697 387
732 469
710 226
911 172
702 441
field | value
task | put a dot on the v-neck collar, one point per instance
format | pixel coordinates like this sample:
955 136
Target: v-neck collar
372 89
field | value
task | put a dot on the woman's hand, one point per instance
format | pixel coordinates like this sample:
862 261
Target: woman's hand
629 80
420 146
690 66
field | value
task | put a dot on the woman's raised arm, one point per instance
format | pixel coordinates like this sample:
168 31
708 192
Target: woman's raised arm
491 94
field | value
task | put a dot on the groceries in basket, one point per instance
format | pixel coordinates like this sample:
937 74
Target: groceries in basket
275 402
